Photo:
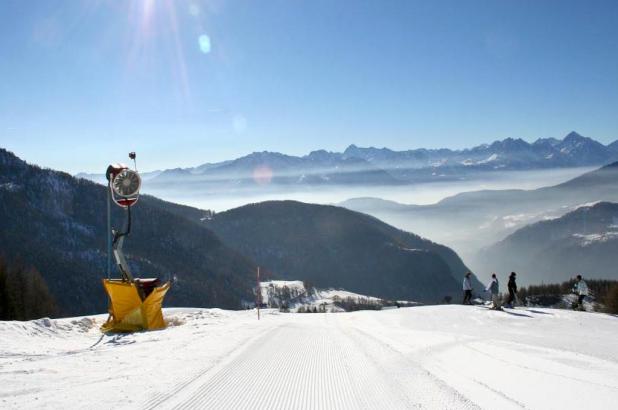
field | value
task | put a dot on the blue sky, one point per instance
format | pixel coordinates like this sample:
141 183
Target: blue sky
186 82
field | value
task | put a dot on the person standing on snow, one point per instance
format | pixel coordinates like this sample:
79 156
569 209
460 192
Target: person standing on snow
494 289
467 288
512 286
581 290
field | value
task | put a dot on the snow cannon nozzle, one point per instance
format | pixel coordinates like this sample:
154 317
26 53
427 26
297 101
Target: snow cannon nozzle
124 184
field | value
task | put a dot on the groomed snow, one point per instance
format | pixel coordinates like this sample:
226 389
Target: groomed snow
433 357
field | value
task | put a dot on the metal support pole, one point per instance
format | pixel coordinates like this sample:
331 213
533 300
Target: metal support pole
258 293
109 234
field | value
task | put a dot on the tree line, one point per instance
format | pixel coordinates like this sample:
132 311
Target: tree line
23 293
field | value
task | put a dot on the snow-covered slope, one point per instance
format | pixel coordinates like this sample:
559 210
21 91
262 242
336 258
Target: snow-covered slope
433 357
293 295
275 291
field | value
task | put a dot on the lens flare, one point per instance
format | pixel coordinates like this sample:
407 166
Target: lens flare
204 42
262 174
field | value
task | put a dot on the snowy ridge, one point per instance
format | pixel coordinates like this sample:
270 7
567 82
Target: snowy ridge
409 165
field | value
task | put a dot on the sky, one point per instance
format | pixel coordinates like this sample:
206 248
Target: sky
185 82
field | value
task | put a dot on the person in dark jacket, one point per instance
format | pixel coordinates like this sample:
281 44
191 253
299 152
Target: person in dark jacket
512 286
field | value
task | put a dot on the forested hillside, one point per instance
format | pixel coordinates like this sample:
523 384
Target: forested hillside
336 247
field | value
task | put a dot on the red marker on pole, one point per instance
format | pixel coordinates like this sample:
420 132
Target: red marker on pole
258 294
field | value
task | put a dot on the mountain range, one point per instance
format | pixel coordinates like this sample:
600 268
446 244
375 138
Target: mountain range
57 223
383 166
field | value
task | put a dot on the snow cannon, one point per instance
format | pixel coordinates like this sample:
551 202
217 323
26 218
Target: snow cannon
134 303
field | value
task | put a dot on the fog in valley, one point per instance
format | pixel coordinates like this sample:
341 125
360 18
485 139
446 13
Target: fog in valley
227 196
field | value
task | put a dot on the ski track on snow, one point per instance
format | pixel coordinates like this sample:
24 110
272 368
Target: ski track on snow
296 367
158 399
429 390
314 366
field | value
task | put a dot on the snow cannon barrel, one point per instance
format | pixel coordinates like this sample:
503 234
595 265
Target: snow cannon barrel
124 184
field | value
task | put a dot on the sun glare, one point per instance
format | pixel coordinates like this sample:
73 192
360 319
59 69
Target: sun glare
204 42
158 23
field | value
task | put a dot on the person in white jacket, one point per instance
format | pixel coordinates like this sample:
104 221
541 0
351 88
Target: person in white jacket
581 290
467 288
494 289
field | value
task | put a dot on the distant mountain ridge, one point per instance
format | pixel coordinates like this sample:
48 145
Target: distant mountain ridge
573 150
383 166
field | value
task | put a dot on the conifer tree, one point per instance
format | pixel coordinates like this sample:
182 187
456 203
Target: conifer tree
23 293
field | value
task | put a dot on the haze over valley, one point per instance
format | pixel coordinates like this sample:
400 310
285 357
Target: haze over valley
420 193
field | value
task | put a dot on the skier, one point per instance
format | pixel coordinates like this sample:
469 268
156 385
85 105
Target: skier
467 288
512 286
581 290
494 288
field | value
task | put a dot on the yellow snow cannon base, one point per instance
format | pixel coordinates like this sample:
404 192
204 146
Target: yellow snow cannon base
127 311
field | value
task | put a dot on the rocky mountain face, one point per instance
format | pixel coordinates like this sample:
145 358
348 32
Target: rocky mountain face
334 247
584 241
